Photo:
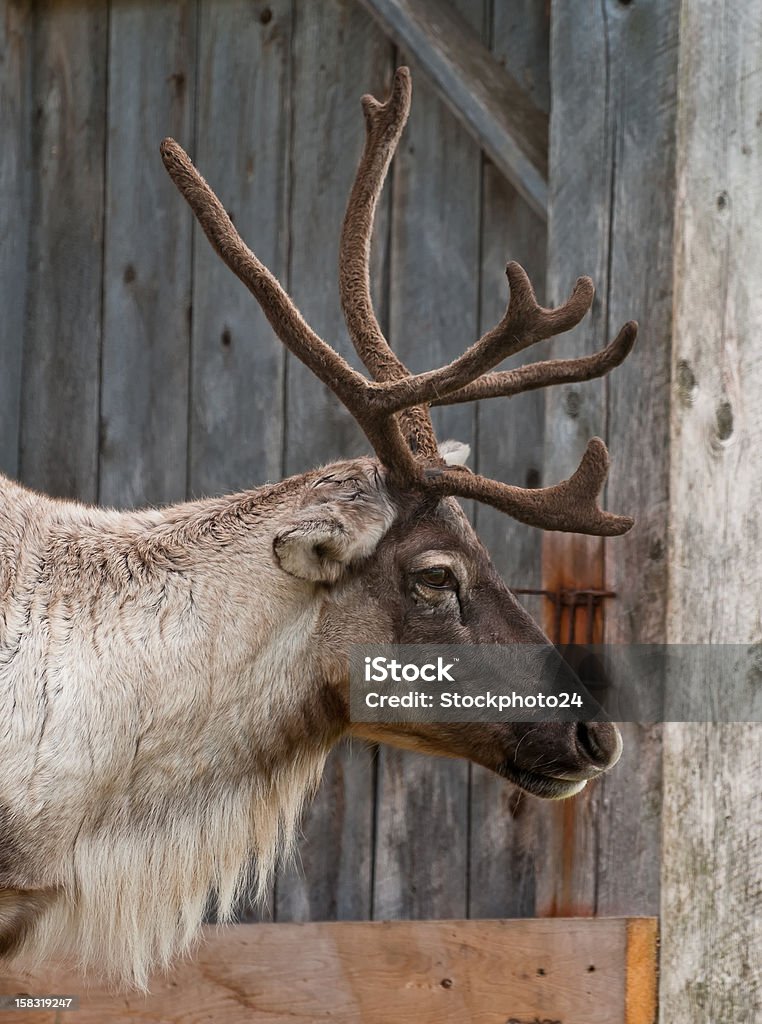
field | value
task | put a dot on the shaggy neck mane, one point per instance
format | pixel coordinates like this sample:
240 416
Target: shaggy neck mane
196 741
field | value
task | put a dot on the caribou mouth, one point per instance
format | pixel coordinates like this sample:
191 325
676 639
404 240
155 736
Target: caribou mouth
546 786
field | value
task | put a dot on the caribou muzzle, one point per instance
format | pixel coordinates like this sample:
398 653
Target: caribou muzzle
556 760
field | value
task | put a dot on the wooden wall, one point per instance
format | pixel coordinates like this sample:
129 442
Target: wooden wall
136 369
712 876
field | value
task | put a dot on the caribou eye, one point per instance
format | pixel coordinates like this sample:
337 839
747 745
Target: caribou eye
439 577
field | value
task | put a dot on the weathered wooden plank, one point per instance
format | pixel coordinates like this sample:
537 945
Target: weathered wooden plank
711 888
642 42
521 43
578 237
505 832
59 407
242 148
16 24
613 112
147 253
338 54
484 96
429 972
421 869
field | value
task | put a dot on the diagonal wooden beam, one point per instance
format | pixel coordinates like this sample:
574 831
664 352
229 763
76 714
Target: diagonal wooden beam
480 92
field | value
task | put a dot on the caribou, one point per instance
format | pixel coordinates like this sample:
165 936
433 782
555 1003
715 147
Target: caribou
172 679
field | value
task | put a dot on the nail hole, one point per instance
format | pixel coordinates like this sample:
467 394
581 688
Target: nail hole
540 972
591 968
446 982
129 274
226 338
722 200
266 16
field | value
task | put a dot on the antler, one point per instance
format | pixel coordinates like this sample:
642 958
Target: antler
547 373
384 123
392 410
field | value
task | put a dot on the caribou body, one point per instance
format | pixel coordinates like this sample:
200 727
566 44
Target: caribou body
172 680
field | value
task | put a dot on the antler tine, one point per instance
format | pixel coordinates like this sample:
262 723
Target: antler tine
569 507
384 123
545 374
524 323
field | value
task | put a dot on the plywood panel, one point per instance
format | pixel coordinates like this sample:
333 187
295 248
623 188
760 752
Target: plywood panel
448 972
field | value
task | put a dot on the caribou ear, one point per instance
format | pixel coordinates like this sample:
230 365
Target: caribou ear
315 549
454 453
342 523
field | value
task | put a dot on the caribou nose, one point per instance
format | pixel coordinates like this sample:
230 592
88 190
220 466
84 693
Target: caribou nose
600 743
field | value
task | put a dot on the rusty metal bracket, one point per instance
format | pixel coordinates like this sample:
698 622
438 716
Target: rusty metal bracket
583 597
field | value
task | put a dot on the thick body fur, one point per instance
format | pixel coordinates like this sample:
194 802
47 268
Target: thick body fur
158 721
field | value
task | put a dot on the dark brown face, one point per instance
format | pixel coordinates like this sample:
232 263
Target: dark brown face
427 579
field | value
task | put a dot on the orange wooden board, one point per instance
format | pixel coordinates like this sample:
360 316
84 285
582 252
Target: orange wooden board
551 971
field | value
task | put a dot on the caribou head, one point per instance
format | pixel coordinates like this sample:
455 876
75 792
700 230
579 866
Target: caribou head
379 542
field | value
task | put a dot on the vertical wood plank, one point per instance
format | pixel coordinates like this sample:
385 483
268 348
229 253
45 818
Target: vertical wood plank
15 179
613 68
505 827
643 40
578 236
242 148
422 871
59 404
144 394
338 54
712 861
